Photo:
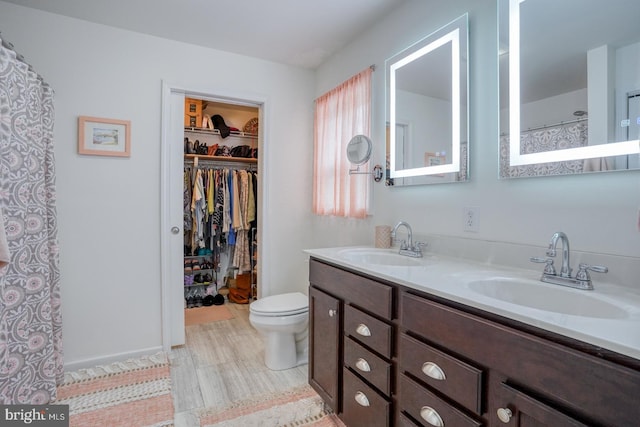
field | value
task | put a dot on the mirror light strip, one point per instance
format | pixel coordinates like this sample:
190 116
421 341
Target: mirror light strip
515 157
454 38
514 81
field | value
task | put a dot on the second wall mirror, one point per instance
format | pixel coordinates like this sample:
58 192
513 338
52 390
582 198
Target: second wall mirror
427 109
569 86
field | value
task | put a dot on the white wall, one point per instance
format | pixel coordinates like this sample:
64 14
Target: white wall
599 212
109 208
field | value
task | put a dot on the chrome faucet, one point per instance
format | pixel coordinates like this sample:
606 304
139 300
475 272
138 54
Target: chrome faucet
582 280
565 270
406 246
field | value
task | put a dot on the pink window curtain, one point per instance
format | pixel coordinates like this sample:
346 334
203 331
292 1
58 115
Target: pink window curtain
341 114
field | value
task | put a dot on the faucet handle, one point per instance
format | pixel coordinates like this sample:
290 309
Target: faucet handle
418 246
583 270
548 268
583 277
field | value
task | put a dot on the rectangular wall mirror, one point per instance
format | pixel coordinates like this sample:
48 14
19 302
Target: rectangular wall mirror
569 86
427 140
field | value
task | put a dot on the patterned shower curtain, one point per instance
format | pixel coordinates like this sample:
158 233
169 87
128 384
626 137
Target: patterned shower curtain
568 135
30 316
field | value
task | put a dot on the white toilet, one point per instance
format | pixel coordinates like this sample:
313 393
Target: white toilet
283 320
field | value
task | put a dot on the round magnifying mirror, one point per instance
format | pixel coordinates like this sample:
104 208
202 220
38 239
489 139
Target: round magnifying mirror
359 150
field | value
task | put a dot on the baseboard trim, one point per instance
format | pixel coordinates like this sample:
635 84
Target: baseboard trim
108 359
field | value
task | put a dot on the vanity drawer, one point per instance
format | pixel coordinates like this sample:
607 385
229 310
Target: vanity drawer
369 366
453 377
368 330
361 405
366 293
426 407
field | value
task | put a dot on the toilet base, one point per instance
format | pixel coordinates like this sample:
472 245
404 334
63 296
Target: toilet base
280 351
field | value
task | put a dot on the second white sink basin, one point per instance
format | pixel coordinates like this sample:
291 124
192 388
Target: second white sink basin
382 257
557 299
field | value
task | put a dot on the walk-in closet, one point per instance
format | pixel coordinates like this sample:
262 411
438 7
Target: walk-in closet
220 203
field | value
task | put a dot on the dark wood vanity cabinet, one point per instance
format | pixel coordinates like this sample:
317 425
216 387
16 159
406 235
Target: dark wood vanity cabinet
363 344
440 363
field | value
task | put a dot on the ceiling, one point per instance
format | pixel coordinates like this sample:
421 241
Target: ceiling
295 32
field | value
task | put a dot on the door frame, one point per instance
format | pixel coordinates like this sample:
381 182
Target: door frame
172 298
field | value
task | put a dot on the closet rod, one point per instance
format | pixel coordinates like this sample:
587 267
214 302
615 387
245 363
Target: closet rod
556 124
9 46
568 122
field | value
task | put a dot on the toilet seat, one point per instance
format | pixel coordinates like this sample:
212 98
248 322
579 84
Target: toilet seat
281 305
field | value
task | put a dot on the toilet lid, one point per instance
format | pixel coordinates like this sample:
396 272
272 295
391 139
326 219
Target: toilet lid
281 305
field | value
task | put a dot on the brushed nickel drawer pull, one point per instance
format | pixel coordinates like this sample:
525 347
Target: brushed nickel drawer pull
504 414
434 371
363 365
363 330
431 416
361 398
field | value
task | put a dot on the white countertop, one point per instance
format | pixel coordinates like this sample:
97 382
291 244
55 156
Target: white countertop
449 278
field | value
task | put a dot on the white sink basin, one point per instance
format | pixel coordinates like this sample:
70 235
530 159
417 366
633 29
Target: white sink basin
381 257
553 298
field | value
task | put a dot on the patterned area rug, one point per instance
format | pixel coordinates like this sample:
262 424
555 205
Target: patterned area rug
136 392
299 407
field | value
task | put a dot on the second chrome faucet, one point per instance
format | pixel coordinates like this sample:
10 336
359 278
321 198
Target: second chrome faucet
582 280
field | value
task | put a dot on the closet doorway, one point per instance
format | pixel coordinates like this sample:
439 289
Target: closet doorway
173 219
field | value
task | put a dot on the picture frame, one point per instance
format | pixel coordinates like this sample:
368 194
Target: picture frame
104 137
434 159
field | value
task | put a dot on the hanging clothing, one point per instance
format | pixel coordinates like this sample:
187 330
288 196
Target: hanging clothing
187 196
241 257
210 192
231 233
198 210
220 208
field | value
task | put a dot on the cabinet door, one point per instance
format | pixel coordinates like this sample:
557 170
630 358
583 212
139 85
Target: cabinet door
521 410
325 316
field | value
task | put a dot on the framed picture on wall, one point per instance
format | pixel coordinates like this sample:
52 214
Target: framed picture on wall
434 159
104 137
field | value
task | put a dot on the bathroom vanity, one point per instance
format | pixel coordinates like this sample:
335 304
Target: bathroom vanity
389 348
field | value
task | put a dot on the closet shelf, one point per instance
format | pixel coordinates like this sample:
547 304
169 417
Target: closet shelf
217 132
221 158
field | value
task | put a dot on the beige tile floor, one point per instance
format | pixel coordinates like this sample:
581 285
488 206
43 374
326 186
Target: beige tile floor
222 363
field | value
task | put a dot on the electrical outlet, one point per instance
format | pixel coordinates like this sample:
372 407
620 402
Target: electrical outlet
471 219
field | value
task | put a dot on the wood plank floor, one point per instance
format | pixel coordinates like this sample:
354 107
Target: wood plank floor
222 363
